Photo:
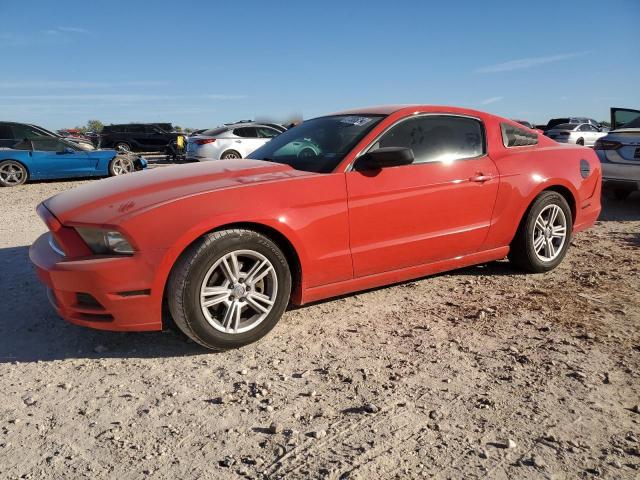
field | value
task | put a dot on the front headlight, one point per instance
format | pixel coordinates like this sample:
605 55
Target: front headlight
105 242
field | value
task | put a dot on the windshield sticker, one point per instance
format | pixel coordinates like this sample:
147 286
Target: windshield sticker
357 121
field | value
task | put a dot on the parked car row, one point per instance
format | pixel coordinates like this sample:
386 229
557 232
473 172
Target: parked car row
30 152
619 152
46 157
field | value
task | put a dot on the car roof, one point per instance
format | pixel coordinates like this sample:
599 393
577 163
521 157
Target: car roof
389 109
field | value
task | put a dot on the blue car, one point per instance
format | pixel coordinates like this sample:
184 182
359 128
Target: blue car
44 158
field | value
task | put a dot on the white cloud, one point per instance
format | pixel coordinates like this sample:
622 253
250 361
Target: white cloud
73 30
490 100
62 84
225 97
528 62
117 97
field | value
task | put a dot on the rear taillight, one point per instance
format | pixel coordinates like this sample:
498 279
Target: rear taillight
204 141
607 145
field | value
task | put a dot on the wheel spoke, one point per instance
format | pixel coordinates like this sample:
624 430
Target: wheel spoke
553 215
549 248
228 270
213 296
232 316
538 243
558 232
258 272
540 224
259 302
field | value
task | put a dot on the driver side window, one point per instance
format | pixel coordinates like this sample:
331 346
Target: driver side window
436 138
48 144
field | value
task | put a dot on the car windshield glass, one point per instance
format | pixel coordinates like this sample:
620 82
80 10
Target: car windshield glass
632 124
318 145
214 132
566 126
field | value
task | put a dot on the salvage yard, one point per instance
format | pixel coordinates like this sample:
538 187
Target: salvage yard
479 372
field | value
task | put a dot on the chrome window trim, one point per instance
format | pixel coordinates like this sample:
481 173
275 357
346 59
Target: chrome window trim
424 114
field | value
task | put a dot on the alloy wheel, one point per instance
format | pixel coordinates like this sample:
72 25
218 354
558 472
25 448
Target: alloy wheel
238 291
549 233
12 174
122 166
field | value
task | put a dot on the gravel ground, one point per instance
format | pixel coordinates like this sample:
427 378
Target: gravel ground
481 372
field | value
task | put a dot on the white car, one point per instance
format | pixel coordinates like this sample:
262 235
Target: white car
578 133
230 141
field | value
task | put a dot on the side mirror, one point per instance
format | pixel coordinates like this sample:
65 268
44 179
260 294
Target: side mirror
384 158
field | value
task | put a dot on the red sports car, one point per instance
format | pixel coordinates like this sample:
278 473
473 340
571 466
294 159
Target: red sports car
340 203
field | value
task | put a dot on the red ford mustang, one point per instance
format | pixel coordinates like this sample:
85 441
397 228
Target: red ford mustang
340 203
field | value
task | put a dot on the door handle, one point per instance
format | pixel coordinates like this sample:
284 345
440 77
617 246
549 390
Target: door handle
238 141
480 178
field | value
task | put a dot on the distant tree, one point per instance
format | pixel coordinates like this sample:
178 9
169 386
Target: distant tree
94 126
177 128
605 123
188 130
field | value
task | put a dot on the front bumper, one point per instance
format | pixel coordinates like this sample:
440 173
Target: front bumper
119 289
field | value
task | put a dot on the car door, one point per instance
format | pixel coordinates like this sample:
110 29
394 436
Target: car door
621 117
437 208
137 136
53 157
156 138
248 141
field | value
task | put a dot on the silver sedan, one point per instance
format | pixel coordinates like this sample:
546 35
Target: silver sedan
578 133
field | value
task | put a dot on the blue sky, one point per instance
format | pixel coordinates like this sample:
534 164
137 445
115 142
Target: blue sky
198 64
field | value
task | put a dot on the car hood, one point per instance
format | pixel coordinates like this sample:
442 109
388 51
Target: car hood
105 202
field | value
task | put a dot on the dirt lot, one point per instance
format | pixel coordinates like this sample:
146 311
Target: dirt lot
482 372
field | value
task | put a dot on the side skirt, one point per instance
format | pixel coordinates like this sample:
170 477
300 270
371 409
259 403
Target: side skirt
395 276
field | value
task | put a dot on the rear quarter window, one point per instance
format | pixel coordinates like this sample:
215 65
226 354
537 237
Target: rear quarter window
517 137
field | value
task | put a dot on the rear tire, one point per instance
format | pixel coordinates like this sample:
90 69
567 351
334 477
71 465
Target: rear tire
229 289
542 239
230 154
621 194
122 147
580 141
12 173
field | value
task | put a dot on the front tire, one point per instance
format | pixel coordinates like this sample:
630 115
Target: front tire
544 234
12 173
229 289
121 165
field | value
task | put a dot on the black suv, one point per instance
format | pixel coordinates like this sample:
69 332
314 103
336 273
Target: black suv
14 132
141 137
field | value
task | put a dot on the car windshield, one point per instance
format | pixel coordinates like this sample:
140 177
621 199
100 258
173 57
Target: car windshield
632 124
566 126
318 145
214 132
